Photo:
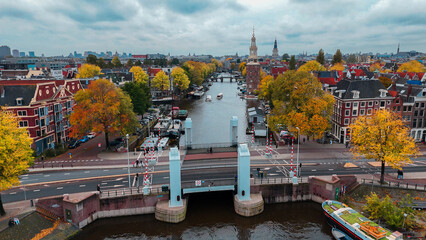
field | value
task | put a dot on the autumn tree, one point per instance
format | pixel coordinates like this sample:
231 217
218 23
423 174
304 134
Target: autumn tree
311 66
216 63
161 81
232 66
352 58
337 58
242 66
139 75
411 66
16 154
180 79
198 71
320 57
382 137
140 95
265 88
102 107
299 101
116 62
101 63
337 67
375 66
385 81
292 63
88 71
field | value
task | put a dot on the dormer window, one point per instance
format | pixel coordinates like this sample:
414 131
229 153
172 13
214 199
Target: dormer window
383 92
19 101
355 94
340 92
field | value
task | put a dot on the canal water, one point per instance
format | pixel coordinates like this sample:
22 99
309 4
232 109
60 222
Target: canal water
212 216
211 120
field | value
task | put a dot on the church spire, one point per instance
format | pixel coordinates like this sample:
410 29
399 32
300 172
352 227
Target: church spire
253 49
397 51
275 50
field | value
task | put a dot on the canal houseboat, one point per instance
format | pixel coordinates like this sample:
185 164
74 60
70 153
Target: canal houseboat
182 115
164 142
208 98
149 143
353 224
175 129
220 96
162 126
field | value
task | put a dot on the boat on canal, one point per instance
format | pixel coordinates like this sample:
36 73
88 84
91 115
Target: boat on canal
208 98
175 129
162 125
353 225
220 96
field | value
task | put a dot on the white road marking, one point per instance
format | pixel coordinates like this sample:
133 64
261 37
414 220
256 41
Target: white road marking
118 179
37 190
166 177
314 170
106 170
59 188
67 173
26 175
86 171
330 169
12 193
25 178
82 185
124 181
118 185
272 174
104 183
46 175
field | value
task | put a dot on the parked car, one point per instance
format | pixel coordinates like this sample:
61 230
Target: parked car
91 135
84 139
74 144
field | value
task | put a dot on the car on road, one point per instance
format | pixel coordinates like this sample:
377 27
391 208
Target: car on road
74 144
91 135
84 139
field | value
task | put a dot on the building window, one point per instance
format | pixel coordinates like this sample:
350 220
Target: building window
414 122
422 105
376 102
42 122
421 113
346 121
397 101
362 112
370 103
388 102
35 112
354 112
416 113
410 108
382 103
19 101
23 123
405 108
22 113
38 133
355 104
420 123
417 105
398 109
369 111
348 105
362 104
36 122
347 113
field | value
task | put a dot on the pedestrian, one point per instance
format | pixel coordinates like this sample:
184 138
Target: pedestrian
16 220
304 140
133 163
346 144
137 163
11 223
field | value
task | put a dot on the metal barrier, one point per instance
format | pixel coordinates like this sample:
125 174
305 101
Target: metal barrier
129 191
391 184
209 182
283 180
210 145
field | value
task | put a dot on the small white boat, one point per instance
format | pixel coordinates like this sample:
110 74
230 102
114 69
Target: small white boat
220 96
208 98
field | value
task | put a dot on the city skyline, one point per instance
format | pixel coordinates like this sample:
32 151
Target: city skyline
212 27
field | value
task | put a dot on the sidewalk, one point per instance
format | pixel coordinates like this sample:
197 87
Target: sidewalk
15 209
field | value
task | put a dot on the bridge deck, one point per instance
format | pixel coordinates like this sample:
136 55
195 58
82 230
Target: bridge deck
208 189
203 156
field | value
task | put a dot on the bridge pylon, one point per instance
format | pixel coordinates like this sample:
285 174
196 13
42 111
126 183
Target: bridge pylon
234 131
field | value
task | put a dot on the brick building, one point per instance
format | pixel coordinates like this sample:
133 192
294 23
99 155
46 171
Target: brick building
42 106
252 68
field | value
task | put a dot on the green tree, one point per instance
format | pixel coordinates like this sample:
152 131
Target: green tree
101 63
16 154
91 59
139 94
320 57
102 107
116 62
352 58
232 66
129 63
292 64
337 58
286 57
174 61
148 62
138 63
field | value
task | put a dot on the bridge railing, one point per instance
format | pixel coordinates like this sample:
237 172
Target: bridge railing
281 180
209 145
394 184
109 193
208 182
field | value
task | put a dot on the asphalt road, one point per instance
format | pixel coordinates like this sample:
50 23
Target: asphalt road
42 184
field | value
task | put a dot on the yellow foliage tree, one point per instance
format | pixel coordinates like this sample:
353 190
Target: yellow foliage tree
242 66
375 66
244 72
216 63
412 66
161 81
88 71
139 75
262 74
337 67
265 91
311 66
15 151
384 138
180 79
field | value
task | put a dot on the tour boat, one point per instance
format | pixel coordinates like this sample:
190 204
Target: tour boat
175 129
353 224
208 98
220 96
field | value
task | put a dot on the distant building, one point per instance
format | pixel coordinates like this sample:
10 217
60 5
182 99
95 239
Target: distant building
31 54
252 68
4 51
15 53
275 54
22 54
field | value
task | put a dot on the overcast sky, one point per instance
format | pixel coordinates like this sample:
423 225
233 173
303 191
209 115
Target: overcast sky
217 27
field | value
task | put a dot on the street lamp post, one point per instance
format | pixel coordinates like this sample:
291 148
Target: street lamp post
128 158
298 146
403 223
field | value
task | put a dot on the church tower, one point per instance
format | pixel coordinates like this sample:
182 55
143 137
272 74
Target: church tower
252 68
275 54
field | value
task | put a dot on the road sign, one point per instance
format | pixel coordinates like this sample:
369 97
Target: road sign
198 183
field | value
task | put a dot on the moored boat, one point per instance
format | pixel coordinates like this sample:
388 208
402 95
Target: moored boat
339 235
208 98
353 224
220 96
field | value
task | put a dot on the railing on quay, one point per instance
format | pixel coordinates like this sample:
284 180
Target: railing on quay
209 145
120 192
394 184
281 180
208 182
